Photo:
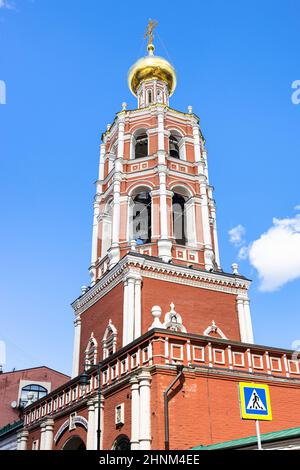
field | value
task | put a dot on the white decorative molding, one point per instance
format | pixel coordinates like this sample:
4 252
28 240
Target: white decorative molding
109 340
213 328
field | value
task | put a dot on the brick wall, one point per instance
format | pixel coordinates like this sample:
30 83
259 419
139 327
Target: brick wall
198 307
9 388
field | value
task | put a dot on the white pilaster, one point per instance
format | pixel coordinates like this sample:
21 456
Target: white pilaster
215 236
250 338
164 244
145 410
91 431
197 148
137 308
114 251
208 253
190 222
101 162
161 136
242 319
95 238
125 313
130 313
135 414
76 347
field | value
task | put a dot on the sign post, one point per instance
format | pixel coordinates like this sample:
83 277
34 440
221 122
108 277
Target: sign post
255 404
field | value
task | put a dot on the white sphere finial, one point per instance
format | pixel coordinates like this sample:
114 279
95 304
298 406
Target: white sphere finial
190 109
156 313
235 268
124 106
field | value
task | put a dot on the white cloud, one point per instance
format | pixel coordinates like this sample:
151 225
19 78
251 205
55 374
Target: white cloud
236 235
276 254
243 252
297 207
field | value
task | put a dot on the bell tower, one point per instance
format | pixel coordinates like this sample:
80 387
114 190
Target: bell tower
153 192
154 240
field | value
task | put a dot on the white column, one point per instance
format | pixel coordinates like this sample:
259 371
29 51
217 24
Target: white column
242 319
215 235
114 251
48 440
90 439
121 138
130 312
76 347
135 410
23 440
161 136
101 421
101 162
145 410
95 238
197 148
164 244
96 421
42 438
125 312
250 338
190 222
137 308
208 253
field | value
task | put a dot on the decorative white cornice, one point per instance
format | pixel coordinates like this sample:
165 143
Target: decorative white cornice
158 270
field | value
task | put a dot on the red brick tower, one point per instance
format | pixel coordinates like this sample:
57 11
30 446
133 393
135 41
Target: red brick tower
158 296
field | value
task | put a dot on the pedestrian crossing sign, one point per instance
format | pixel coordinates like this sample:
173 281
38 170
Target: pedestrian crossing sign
255 401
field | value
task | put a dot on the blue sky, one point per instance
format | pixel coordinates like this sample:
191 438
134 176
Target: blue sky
65 66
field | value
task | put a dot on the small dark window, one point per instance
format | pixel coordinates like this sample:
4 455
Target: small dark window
149 96
141 146
174 147
179 219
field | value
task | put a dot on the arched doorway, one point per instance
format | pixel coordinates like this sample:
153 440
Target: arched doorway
121 443
74 443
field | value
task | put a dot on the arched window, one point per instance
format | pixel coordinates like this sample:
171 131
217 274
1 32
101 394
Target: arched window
174 146
109 340
121 443
141 217
91 352
31 393
179 219
141 146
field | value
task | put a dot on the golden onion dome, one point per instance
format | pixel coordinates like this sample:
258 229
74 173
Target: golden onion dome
151 67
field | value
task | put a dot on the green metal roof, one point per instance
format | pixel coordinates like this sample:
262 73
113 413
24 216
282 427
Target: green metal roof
245 441
11 427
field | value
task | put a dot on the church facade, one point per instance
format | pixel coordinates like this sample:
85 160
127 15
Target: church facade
162 335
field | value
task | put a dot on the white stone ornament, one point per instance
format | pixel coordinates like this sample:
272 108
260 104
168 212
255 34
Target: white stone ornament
173 320
156 312
235 268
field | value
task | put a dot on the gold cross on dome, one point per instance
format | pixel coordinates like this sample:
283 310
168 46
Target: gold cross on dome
149 31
